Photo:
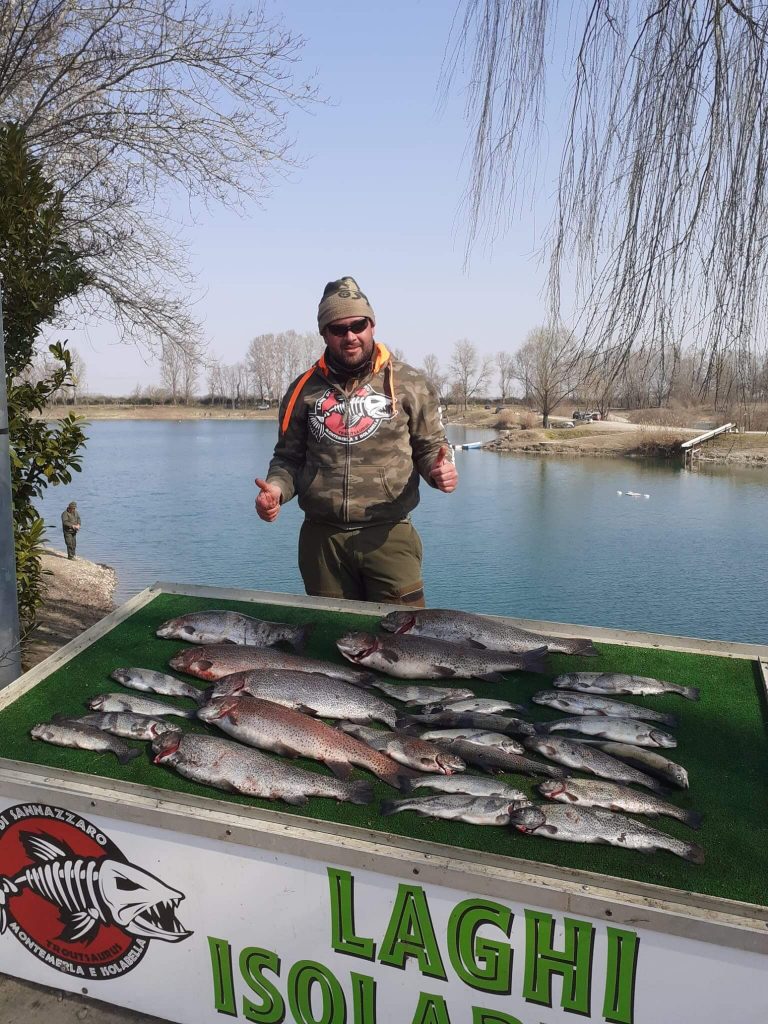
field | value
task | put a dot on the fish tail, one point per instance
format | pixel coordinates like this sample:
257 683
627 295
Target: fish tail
187 714
299 636
691 818
690 692
535 661
360 792
670 720
694 853
583 648
128 756
388 807
407 723
202 696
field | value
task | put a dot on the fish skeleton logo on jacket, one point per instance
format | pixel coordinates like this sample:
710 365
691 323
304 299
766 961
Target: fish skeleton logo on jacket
68 894
351 419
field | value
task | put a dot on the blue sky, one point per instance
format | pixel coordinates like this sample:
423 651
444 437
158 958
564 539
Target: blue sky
378 197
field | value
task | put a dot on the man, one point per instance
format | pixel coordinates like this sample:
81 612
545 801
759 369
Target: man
355 433
70 523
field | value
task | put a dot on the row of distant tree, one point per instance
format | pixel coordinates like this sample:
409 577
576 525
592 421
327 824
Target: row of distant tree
550 368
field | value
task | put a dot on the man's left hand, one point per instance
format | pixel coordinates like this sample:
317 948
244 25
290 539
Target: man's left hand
443 472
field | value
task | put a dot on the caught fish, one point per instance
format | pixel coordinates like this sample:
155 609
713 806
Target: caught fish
88 892
82 737
648 761
613 797
481 631
472 705
592 704
466 720
622 730
472 785
127 724
138 705
476 810
157 682
584 758
259 723
213 661
581 825
494 759
218 627
478 736
407 750
613 683
411 693
217 762
416 657
309 692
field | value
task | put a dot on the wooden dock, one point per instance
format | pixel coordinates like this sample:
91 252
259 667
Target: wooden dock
691 447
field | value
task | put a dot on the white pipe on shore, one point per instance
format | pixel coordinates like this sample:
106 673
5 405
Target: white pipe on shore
10 656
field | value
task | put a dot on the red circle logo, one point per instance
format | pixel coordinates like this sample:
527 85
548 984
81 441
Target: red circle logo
72 899
349 419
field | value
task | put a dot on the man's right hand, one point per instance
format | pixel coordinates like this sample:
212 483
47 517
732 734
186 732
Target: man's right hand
268 501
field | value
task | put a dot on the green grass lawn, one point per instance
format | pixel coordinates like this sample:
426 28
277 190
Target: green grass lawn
722 743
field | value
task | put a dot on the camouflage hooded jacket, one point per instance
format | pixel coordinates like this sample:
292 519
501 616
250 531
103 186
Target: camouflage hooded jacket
353 451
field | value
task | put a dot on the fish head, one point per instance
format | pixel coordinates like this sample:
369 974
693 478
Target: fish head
447 763
177 629
552 788
194 663
97 703
140 903
662 739
220 707
159 728
398 622
41 731
165 746
526 818
356 646
121 675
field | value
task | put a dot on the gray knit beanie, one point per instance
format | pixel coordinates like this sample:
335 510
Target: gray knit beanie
341 299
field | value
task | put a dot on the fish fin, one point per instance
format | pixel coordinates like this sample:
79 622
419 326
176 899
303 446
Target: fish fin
128 756
297 800
403 780
298 640
78 926
535 661
692 693
201 697
391 656
306 711
341 769
692 819
187 714
542 728
41 846
445 671
489 677
469 641
671 720
409 726
360 792
387 807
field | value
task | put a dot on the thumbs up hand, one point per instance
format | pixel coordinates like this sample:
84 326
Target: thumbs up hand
443 472
268 501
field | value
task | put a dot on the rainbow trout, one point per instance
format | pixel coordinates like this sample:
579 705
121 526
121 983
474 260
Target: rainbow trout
407 750
82 737
127 724
139 705
213 661
148 681
613 797
593 704
218 627
481 631
217 762
416 657
475 810
614 684
584 758
260 723
622 730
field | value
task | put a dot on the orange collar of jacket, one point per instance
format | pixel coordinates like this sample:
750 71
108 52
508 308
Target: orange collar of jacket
382 359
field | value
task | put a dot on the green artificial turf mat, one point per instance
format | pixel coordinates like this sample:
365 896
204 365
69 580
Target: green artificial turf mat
722 743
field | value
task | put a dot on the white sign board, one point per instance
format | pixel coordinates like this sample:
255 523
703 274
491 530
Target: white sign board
198 931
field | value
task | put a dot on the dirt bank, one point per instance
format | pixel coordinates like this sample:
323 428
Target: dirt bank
78 594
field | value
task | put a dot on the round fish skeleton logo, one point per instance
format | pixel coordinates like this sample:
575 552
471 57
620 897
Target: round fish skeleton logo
348 420
71 897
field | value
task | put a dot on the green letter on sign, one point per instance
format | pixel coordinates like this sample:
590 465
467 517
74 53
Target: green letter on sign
223 982
481 1016
304 974
481 963
343 938
619 1003
431 1010
542 961
271 1009
410 933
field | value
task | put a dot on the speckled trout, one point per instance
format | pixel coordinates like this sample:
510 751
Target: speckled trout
475 810
482 631
213 661
589 704
584 758
472 785
83 737
217 762
615 683
621 730
407 750
127 724
139 705
613 797
590 825
260 723
148 681
416 657
214 626
309 692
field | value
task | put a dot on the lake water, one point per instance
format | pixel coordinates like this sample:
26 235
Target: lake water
526 536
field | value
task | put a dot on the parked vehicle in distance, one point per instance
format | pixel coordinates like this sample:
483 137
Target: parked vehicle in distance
586 415
262 406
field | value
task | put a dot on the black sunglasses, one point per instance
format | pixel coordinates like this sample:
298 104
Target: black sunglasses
341 330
